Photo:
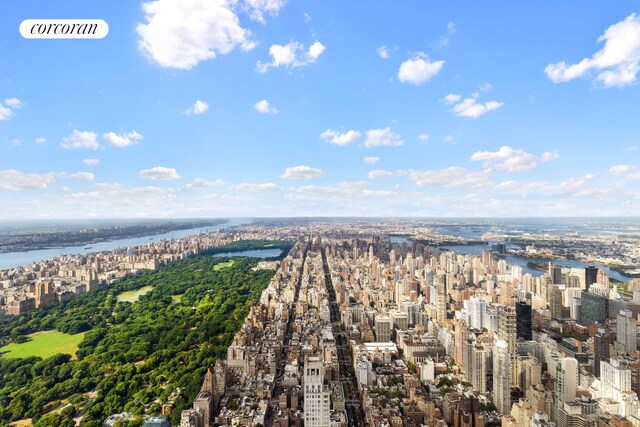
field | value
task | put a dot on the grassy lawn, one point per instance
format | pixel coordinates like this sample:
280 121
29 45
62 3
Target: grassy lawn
222 265
44 344
132 296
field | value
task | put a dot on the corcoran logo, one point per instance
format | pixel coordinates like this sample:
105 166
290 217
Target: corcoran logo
64 29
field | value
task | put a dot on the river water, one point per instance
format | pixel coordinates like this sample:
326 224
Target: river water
521 262
16 259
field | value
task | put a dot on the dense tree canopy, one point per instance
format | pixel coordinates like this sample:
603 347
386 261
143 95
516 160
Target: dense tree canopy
134 355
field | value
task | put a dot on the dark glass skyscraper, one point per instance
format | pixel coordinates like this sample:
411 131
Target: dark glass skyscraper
590 276
523 321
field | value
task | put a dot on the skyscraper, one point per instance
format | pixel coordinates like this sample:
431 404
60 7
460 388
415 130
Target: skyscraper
440 284
501 380
626 335
555 272
316 395
594 308
523 321
601 349
590 276
383 328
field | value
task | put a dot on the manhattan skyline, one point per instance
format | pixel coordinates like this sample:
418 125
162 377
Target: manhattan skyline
284 108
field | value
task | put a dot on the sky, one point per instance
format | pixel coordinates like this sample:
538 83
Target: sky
217 108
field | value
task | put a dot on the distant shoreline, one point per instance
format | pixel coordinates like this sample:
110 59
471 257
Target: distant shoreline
25 242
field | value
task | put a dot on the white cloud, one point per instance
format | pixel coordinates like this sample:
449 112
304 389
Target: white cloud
14 180
7 110
159 173
198 107
267 186
371 160
264 107
15 142
382 137
181 33
383 52
451 177
448 139
121 140
419 69
257 8
452 98
81 139
291 55
301 172
575 186
486 87
549 156
451 27
470 107
424 137
346 138
41 140
380 173
81 176
203 183
307 17
616 64
91 162
619 170
633 148
507 158
13 103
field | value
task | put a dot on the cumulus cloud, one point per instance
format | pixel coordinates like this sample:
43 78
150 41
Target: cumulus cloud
40 140
380 173
257 8
470 107
419 69
81 176
301 172
451 177
507 158
198 107
452 98
267 186
337 138
549 156
13 103
626 172
182 33
15 180
575 186
15 142
159 173
291 55
382 137
81 139
121 140
616 64
264 107
371 160
91 162
448 139
423 137
203 183
383 52
7 109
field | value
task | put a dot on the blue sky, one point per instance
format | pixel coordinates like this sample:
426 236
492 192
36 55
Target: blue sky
289 108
